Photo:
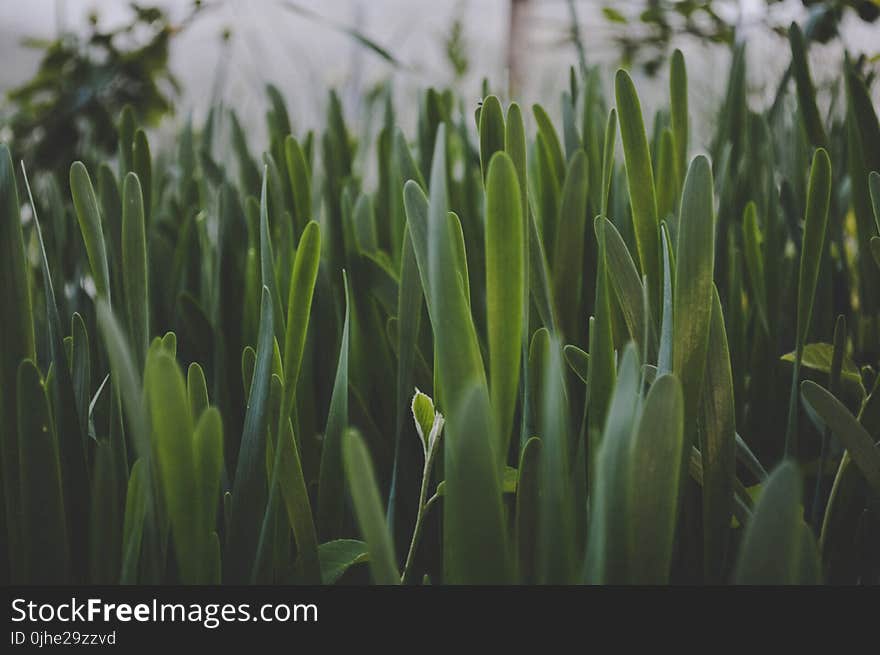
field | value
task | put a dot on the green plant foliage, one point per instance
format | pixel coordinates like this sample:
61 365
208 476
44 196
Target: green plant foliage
492 351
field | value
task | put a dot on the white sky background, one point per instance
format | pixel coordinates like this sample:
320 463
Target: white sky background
270 44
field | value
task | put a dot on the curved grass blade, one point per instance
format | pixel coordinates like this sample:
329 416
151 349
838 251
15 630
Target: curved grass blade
627 285
492 133
678 113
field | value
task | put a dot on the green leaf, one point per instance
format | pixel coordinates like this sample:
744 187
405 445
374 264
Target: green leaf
655 473
624 278
142 166
423 415
692 294
772 549
87 213
133 523
368 509
340 555
300 181
815 223
527 497
492 133
551 139
196 390
852 435
602 373
46 557
331 486
608 159
505 277
818 357
578 361
678 112
717 438
249 487
568 252
640 179
134 266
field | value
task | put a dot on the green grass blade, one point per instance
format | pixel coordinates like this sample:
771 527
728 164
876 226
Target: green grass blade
568 252
89 217
249 488
717 438
368 509
655 474
527 498
678 112
815 224
331 487
505 277
134 266
640 179
196 390
624 278
755 262
492 133
692 294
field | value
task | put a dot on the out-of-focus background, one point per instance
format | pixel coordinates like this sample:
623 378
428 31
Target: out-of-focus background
230 49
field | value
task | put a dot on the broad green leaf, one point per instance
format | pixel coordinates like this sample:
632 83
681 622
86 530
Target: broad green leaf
368 509
692 293
640 180
89 217
505 262
551 139
655 473
134 266
815 223
340 555
818 357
